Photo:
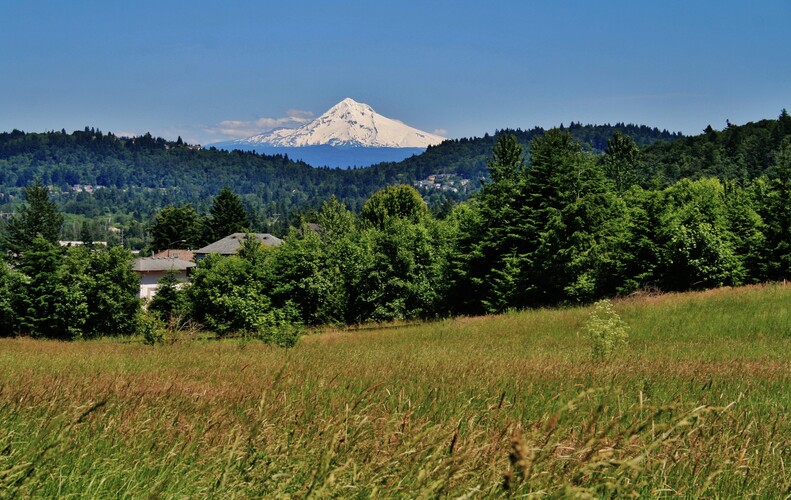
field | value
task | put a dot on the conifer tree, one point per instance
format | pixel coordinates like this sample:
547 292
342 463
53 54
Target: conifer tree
227 215
620 161
37 217
777 214
492 248
577 225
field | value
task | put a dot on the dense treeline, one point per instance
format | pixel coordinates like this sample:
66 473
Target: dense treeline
139 176
47 290
737 152
569 228
568 225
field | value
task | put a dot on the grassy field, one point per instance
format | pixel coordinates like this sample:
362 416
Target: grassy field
696 404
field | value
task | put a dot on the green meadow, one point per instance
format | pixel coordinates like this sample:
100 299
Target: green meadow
695 404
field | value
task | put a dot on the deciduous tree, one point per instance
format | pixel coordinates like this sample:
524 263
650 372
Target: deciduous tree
392 203
176 226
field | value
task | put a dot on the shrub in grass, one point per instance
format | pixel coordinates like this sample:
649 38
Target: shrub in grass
170 302
151 329
281 326
606 330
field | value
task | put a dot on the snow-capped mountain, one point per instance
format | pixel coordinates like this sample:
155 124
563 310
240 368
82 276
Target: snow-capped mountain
347 124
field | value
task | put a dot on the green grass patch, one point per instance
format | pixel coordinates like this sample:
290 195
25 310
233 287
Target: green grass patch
695 404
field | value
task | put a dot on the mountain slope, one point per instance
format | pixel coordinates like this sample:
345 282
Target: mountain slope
348 124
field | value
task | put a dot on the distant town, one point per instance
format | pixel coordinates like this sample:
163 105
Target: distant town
444 182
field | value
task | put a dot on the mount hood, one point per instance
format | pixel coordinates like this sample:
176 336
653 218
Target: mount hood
347 124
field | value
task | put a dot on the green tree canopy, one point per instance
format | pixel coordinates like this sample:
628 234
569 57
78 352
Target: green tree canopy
394 202
620 159
176 227
38 216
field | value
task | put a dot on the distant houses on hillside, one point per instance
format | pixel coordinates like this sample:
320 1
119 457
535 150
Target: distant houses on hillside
445 182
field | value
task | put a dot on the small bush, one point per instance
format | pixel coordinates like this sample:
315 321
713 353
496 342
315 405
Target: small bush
281 326
606 330
151 329
170 302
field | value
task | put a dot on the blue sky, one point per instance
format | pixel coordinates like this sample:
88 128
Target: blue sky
211 71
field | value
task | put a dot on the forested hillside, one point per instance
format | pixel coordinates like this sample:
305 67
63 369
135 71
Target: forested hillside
102 182
569 227
737 152
94 175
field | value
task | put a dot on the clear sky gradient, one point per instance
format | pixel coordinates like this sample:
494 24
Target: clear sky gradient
213 71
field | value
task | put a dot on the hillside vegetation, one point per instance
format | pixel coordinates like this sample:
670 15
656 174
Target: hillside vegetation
139 176
695 404
568 227
102 180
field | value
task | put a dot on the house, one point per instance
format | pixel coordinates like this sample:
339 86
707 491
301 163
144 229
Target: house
176 253
153 269
230 245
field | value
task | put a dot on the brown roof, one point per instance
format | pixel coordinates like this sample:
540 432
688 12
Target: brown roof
175 253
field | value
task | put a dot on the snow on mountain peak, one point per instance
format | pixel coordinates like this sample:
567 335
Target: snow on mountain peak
352 124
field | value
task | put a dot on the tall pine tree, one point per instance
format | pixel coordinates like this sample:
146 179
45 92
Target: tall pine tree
37 217
227 216
576 225
492 247
620 161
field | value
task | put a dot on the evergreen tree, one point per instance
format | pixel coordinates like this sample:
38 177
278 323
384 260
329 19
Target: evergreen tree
112 295
620 159
469 259
508 161
502 243
75 293
87 234
776 214
38 216
52 304
576 225
227 216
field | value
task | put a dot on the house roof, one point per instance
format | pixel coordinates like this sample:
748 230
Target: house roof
176 253
155 264
231 244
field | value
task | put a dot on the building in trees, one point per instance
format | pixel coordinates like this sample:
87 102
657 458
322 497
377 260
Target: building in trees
152 269
231 244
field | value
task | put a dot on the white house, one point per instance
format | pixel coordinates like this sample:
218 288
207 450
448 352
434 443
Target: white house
153 269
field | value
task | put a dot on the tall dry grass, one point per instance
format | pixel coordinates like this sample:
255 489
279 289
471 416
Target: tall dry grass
696 404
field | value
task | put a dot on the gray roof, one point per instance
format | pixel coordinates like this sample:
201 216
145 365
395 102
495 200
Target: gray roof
231 244
154 264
